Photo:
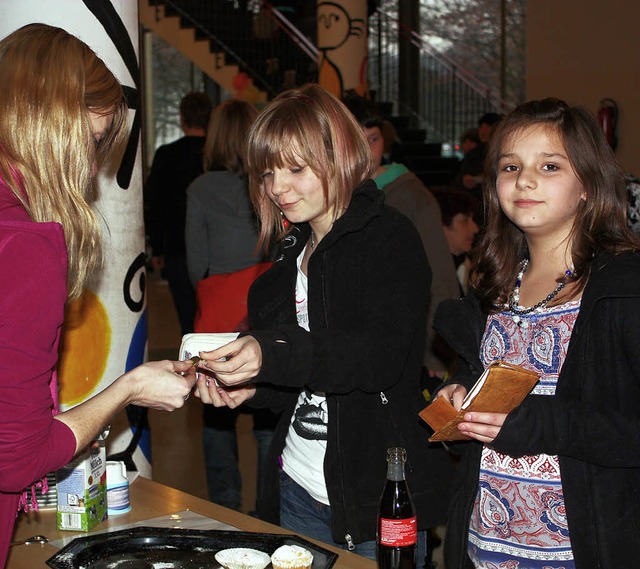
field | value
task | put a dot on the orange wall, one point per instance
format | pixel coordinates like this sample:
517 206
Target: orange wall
581 52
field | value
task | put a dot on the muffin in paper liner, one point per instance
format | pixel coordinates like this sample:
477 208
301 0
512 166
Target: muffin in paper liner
242 558
291 557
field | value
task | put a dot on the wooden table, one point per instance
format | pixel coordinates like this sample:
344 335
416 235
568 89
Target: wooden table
148 500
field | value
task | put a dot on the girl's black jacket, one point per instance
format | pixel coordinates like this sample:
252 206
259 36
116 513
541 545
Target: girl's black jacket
368 284
592 422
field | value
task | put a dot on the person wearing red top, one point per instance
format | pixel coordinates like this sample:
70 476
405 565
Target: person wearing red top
53 135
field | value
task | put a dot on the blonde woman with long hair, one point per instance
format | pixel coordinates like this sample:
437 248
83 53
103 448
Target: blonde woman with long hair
62 111
554 289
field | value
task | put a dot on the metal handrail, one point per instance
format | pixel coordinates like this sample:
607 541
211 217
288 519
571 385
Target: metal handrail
302 47
461 72
294 33
255 75
451 98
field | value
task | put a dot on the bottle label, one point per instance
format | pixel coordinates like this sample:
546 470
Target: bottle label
118 499
398 533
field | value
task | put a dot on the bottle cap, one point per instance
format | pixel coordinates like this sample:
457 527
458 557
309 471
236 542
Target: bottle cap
116 473
396 454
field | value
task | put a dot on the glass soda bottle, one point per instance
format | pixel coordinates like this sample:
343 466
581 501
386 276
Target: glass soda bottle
397 530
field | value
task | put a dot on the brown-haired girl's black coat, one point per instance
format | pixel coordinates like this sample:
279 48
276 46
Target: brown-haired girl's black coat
368 287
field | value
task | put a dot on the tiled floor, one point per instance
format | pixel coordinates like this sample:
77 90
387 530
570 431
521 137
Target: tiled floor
177 459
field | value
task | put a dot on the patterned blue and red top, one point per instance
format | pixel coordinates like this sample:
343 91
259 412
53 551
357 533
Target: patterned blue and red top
519 518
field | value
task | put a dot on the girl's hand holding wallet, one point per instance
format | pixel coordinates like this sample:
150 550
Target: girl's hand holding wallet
500 389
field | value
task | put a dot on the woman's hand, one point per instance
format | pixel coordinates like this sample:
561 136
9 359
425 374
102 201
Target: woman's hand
235 363
483 427
455 393
163 385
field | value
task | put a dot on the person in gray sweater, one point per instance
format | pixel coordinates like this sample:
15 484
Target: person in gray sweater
221 231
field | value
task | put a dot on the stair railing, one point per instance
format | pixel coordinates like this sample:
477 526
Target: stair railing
292 31
283 57
451 98
217 44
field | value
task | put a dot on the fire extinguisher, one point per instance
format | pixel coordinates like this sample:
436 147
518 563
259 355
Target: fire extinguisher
608 118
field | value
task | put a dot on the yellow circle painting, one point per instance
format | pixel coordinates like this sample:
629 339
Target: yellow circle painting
84 348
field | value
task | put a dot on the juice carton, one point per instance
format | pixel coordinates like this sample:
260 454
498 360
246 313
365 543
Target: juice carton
82 491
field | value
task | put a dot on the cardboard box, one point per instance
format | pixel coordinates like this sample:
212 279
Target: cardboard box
82 491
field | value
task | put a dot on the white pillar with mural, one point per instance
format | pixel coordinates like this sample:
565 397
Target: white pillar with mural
342 45
105 332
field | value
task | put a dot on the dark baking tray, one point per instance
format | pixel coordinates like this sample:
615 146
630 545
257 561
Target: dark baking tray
147 548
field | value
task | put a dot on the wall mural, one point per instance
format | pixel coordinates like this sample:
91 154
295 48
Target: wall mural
342 37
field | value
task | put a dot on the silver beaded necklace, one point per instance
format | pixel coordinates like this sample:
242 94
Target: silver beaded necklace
514 297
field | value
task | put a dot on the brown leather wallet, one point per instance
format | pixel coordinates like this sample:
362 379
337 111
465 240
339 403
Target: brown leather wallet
500 389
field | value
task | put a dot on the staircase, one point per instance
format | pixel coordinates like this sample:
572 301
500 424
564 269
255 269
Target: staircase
169 26
253 51
250 49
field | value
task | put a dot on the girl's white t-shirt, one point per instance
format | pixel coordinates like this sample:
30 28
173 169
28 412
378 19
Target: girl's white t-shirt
306 443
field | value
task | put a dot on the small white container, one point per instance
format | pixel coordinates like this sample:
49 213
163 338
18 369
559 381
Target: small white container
117 488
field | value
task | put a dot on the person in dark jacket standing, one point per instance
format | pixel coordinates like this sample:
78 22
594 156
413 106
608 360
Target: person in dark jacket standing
404 191
337 329
174 167
555 482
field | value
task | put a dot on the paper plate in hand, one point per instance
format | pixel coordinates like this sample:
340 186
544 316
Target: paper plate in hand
193 344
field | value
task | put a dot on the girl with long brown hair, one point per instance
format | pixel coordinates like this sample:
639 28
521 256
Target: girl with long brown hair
555 482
